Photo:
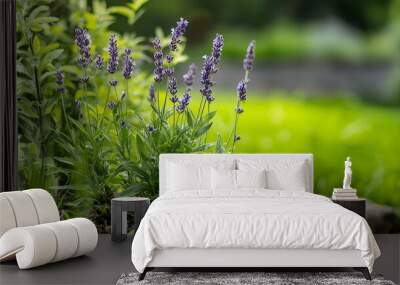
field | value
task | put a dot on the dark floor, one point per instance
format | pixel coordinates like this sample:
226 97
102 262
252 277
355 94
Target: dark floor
103 266
110 260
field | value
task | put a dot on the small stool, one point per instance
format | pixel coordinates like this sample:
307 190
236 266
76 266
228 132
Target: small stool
119 212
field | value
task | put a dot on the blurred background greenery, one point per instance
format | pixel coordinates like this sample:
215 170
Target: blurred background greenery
326 79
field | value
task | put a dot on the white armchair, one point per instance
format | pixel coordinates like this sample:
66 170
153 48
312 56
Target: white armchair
31 230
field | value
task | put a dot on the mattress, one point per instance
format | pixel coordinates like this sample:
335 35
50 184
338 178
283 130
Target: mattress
250 219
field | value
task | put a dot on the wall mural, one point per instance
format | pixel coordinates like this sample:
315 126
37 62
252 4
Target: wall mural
104 88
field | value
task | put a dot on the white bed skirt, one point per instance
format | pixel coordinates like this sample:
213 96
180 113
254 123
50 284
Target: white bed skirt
193 257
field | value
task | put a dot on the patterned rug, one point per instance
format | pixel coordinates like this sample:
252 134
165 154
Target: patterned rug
236 278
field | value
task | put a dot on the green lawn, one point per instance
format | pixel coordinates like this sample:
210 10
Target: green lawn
331 129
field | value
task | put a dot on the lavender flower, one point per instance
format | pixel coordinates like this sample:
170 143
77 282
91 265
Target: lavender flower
239 110
205 81
218 44
242 90
84 79
177 33
184 102
152 94
60 81
189 76
78 104
169 71
150 129
99 62
172 85
186 97
250 55
158 60
174 99
113 82
210 98
113 52
82 40
169 58
180 108
129 65
111 105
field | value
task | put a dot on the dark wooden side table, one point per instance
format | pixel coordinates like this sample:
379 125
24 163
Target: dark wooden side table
355 205
119 215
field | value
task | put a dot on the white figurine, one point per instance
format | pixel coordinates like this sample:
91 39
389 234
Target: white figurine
347 174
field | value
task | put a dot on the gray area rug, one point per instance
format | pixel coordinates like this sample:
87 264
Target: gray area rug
269 278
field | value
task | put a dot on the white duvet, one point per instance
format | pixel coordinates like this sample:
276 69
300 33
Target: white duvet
250 219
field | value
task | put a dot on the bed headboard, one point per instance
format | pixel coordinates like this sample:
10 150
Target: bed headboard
213 158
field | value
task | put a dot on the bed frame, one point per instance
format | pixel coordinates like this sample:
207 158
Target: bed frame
237 259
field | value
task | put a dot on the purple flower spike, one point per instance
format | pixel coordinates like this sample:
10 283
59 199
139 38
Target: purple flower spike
242 90
129 65
218 44
169 58
60 81
172 85
177 33
113 52
152 94
169 71
158 61
150 129
188 78
111 105
174 99
84 79
250 56
210 98
99 62
239 110
82 40
206 71
113 82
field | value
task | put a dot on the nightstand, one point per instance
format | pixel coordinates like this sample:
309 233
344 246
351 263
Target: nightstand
119 214
355 205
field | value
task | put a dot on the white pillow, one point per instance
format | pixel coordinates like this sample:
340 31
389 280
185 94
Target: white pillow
251 178
291 179
282 174
223 179
181 177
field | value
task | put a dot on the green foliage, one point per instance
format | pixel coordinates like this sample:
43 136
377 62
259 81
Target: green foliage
325 40
96 140
37 103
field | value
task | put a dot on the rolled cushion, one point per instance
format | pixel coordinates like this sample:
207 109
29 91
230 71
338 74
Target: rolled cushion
24 210
45 205
40 244
87 235
7 218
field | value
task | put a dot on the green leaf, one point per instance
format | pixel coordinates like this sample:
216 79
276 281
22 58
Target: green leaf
199 132
49 57
36 44
141 147
189 118
35 12
219 147
210 115
123 11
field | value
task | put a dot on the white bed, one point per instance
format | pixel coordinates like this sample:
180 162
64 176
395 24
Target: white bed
249 227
